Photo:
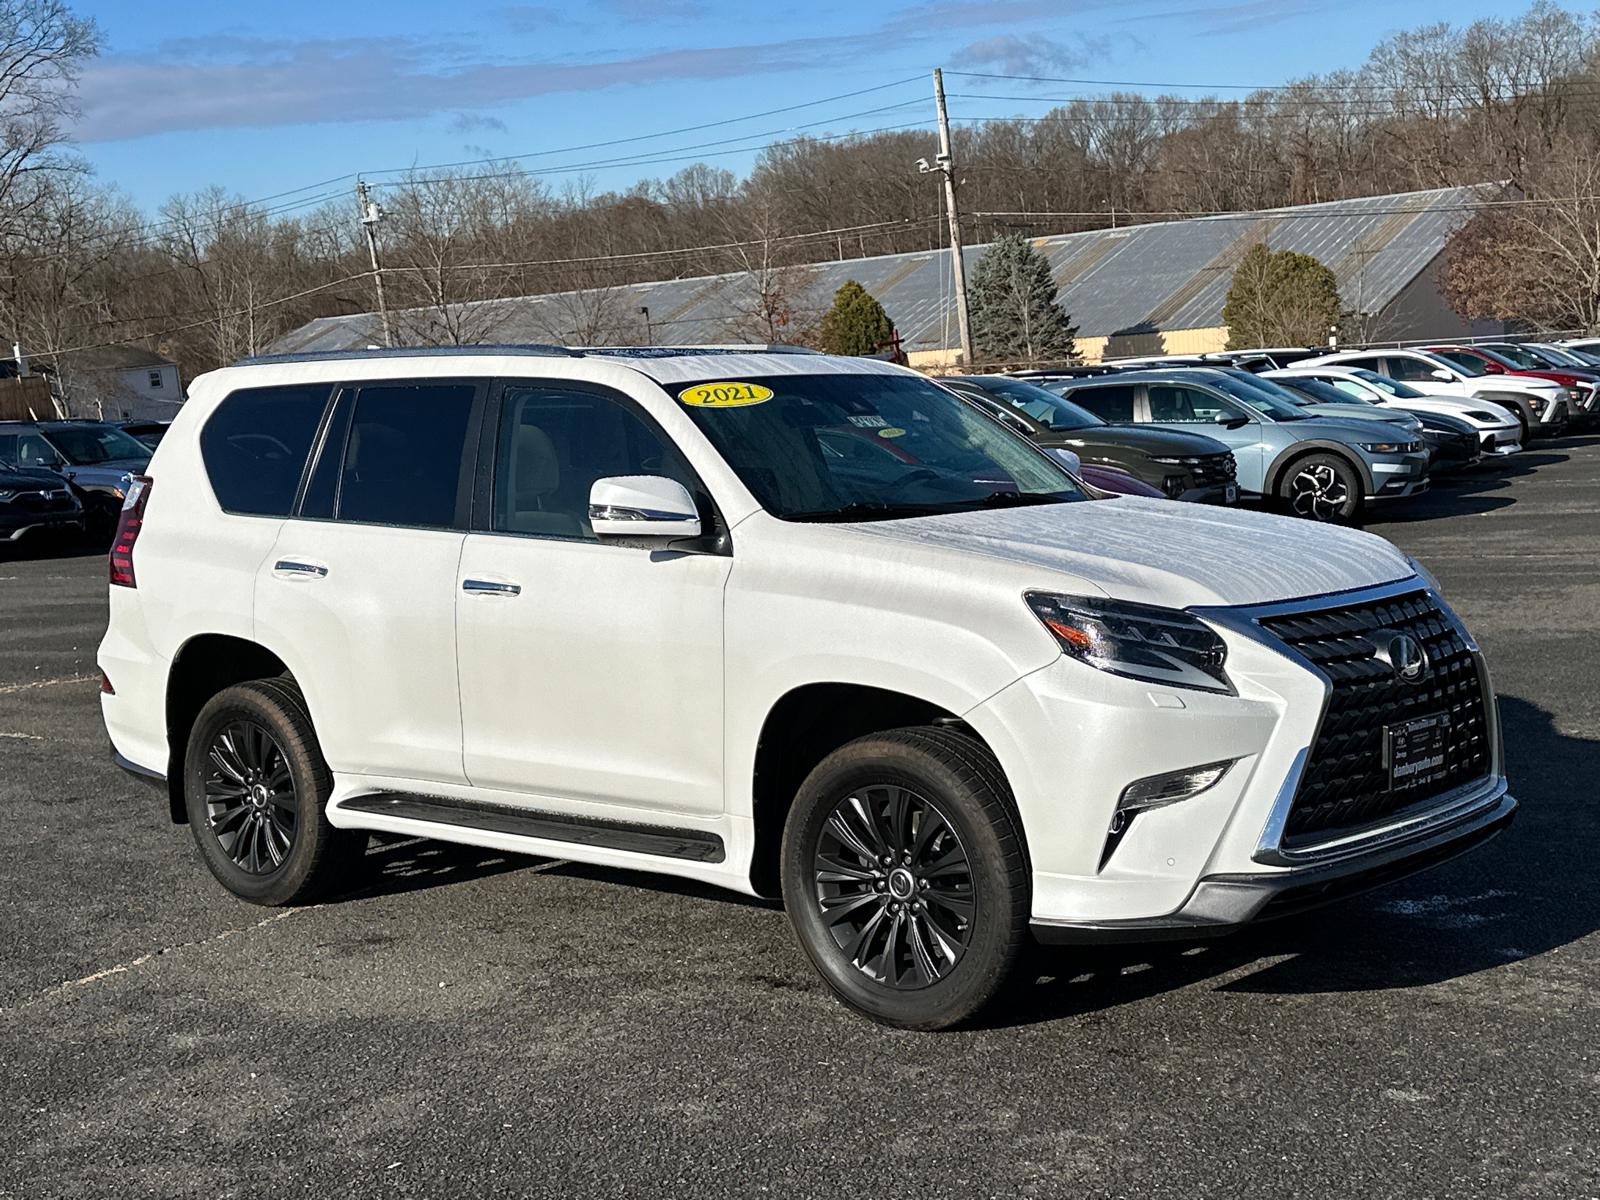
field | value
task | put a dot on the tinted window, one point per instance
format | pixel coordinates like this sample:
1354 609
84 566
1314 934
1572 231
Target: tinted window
1042 406
86 445
1370 363
554 443
26 450
1416 368
403 457
255 447
1114 404
1182 405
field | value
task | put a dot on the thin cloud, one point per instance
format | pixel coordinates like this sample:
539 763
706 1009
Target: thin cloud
1032 55
645 12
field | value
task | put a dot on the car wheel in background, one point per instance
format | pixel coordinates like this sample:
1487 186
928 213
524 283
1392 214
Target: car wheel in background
904 875
257 789
1322 487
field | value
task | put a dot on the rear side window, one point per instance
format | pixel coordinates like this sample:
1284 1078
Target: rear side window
1181 405
404 456
255 447
1414 369
1114 404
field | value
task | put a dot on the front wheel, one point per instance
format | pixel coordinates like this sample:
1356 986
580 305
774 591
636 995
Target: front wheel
1323 487
256 789
904 876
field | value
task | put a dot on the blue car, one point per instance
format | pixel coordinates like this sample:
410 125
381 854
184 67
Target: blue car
1323 468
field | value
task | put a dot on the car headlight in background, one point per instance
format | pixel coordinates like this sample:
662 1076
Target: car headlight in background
7 497
1391 447
1140 641
1482 416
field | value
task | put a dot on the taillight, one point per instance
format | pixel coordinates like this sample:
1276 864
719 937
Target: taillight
128 525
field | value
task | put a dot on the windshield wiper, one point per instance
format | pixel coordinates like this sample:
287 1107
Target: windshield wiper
867 510
1011 499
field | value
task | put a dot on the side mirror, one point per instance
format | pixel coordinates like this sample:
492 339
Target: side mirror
1441 374
1493 368
642 506
1230 420
1067 459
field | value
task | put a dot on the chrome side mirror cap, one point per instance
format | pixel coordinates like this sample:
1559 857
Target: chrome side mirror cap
642 506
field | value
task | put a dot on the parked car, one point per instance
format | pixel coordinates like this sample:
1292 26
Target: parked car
1583 345
97 458
1344 408
1104 483
34 501
1578 384
1450 441
1540 405
619 607
1183 465
148 432
1499 429
1320 468
1554 362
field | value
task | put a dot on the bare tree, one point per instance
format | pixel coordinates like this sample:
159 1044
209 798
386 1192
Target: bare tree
42 50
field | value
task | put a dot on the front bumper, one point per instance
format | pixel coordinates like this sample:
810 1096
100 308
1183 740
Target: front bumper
68 522
1394 477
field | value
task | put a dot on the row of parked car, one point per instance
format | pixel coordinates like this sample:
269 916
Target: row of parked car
1324 434
68 479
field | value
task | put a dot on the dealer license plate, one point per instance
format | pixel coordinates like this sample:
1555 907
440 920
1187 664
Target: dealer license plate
1415 752
1230 493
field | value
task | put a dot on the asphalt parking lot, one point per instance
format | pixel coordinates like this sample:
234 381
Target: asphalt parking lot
464 1023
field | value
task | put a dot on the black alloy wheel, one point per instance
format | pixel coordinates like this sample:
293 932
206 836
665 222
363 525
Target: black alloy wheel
256 789
905 876
1322 487
895 886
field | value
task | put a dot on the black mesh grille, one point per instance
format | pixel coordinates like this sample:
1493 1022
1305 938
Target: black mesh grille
1346 781
1212 469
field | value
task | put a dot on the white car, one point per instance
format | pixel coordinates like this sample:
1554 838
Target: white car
1498 429
650 609
1539 405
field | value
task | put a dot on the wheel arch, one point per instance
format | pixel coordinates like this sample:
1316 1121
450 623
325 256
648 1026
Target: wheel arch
203 666
802 728
1293 454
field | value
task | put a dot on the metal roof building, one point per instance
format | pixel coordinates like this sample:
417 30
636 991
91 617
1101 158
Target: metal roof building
1141 289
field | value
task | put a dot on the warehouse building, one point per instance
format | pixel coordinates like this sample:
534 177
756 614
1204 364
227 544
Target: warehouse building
1142 289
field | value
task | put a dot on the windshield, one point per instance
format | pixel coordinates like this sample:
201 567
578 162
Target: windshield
86 445
1384 384
1258 397
1467 364
861 447
1322 393
1045 407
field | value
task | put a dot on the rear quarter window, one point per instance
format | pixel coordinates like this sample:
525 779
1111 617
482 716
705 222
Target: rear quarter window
255 447
1114 404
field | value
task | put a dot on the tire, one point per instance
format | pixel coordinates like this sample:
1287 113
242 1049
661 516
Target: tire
1321 487
256 789
903 944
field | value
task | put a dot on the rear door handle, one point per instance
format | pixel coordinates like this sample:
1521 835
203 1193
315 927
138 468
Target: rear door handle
291 568
488 587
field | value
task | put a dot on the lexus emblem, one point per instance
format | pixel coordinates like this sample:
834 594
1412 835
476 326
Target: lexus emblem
1404 653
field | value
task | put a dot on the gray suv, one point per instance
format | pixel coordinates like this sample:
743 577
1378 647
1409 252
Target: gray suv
1322 468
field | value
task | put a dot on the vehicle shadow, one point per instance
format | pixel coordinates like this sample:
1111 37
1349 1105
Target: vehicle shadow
395 864
1469 492
1495 905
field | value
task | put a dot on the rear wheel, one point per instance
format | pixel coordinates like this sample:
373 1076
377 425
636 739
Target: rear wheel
257 789
1323 487
904 876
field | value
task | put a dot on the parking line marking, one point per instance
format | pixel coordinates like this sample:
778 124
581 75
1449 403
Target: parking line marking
39 683
30 737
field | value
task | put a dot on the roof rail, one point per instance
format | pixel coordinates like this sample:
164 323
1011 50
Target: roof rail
531 350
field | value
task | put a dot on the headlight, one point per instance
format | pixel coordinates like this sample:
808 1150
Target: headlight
1186 461
1482 416
1141 641
1390 447
1426 576
6 497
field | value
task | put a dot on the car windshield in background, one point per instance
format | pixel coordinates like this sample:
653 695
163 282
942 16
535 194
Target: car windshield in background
1045 407
86 445
1467 364
861 447
1317 392
1383 383
1258 398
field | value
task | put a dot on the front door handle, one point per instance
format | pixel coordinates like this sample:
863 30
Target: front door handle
294 569
488 587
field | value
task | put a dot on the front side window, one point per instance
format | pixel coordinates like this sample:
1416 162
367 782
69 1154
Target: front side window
1418 369
1170 404
859 446
255 446
403 457
554 443
89 445
26 450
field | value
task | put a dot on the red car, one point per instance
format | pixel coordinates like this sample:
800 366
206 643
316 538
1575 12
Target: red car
1580 385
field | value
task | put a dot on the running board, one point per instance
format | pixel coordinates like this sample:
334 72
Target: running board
691 844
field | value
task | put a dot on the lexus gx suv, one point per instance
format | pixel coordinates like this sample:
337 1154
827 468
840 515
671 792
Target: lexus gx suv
646 609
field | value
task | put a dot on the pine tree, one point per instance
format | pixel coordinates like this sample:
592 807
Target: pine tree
856 324
1280 299
1015 317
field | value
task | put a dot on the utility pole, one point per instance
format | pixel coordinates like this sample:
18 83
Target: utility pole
371 214
945 163
649 336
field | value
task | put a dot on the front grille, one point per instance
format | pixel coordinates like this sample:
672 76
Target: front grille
51 501
1346 780
1212 469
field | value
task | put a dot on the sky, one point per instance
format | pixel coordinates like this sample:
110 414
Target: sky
286 102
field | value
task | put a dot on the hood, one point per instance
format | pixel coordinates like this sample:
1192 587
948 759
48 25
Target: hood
1345 413
29 478
1159 552
106 471
1167 443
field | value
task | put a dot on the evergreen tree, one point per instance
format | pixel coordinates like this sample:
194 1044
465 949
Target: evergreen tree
856 324
1280 299
1015 317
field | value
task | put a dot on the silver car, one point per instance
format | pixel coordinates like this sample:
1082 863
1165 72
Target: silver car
1322 468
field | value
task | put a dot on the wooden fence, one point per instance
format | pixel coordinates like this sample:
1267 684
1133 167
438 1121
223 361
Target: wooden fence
26 399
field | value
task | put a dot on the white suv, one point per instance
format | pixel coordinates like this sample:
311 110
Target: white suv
790 624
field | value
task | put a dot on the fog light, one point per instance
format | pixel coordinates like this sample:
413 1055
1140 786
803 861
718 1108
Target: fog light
1158 791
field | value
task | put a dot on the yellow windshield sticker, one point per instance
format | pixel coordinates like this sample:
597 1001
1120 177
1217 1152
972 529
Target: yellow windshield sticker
891 432
725 395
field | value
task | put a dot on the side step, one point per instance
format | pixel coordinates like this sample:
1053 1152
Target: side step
662 842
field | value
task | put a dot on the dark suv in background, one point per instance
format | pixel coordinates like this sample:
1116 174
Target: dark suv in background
1184 466
95 457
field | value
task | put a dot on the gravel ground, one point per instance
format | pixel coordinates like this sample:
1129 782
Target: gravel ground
465 1023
